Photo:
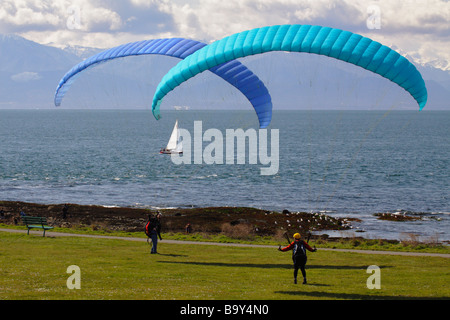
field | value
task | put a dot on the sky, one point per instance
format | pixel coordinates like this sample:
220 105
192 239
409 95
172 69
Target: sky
419 28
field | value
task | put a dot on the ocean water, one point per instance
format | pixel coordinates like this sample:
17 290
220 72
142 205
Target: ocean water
343 163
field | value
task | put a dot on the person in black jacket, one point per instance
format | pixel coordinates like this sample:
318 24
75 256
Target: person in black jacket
299 258
153 230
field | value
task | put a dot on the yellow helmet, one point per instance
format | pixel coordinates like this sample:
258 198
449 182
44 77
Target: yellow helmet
297 236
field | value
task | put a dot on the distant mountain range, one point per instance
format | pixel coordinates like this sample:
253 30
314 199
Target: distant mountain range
30 72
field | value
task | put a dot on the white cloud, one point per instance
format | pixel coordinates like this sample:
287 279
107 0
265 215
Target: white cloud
25 76
54 15
214 19
22 13
415 26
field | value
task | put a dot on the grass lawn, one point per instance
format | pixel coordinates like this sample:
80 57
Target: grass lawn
34 268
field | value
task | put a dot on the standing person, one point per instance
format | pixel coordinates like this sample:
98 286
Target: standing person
299 258
153 231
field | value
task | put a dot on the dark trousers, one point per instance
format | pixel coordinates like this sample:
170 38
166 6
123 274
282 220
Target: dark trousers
154 238
299 263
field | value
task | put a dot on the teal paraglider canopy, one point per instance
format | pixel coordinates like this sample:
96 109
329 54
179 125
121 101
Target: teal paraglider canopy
334 43
233 71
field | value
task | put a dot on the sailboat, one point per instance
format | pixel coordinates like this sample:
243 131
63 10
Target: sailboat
174 145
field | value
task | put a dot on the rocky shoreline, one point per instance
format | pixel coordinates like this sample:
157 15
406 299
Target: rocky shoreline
229 220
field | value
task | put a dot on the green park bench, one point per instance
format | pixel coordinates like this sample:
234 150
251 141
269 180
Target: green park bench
36 222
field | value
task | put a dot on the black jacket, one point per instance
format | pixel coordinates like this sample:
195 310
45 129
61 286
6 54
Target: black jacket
153 225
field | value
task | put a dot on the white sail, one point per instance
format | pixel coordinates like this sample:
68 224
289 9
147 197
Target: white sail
172 144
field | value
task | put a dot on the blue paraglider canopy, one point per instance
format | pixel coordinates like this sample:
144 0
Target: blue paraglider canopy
334 43
233 71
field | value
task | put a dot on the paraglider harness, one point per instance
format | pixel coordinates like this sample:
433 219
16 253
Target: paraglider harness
299 247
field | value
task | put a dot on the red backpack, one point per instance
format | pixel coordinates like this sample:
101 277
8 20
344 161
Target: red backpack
151 224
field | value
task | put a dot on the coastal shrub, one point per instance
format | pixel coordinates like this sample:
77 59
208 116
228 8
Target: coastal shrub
409 239
355 242
238 231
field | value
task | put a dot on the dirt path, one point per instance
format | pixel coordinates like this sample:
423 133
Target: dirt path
61 234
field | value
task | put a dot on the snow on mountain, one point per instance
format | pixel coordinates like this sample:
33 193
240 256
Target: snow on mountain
82 52
437 64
